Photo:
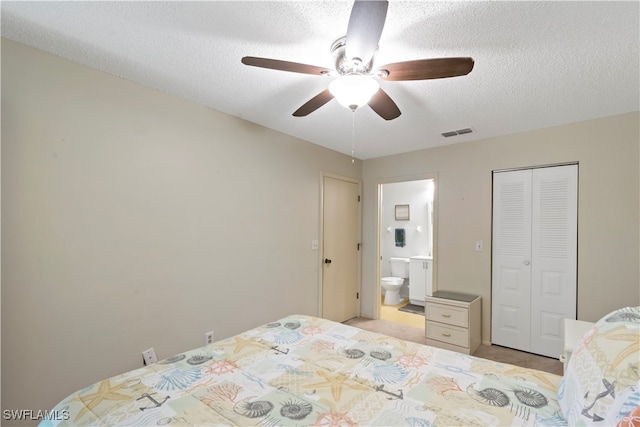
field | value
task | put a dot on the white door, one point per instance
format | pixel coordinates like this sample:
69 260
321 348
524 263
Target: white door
341 245
511 270
554 242
534 283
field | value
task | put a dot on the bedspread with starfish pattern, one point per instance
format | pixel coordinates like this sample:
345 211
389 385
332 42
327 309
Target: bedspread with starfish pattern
303 370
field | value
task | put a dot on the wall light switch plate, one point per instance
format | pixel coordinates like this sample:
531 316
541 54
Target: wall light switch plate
478 245
314 245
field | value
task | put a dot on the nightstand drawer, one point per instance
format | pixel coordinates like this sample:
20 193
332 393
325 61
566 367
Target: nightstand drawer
449 334
449 314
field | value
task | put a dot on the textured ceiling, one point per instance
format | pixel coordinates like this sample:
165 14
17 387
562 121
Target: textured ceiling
537 64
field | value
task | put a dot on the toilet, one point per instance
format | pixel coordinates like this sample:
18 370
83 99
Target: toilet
392 284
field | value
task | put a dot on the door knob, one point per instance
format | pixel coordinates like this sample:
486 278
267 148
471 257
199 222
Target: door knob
526 262
327 261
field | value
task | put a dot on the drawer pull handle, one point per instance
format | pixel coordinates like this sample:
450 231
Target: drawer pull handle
446 315
446 334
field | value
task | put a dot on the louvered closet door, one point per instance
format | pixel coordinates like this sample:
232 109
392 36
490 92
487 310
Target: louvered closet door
554 256
534 284
511 270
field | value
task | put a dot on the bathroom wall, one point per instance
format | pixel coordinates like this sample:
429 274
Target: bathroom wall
416 194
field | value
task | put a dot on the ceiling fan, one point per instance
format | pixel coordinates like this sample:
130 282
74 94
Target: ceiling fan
354 55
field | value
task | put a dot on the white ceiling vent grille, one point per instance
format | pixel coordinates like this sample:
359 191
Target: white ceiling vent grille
456 132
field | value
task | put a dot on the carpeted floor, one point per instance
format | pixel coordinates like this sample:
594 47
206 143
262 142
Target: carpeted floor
493 352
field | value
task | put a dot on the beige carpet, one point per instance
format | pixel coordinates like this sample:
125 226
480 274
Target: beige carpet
493 352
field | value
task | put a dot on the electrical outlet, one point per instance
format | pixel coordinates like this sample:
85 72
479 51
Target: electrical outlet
149 356
208 338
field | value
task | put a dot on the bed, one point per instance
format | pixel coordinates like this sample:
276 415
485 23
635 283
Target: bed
302 370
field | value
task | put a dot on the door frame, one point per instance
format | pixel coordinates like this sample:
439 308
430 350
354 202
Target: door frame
391 180
320 256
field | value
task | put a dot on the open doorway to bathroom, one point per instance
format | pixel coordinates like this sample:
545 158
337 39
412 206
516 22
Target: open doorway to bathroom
406 236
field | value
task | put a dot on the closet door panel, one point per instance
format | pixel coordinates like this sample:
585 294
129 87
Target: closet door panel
554 256
511 269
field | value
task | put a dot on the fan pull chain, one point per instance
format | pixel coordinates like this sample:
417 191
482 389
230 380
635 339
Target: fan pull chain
353 136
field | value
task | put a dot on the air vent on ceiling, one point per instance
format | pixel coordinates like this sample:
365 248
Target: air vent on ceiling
456 132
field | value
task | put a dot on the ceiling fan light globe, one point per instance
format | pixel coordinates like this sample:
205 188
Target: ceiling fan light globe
354 90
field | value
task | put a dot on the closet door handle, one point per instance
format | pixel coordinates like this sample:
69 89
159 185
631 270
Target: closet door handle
526 262
327 261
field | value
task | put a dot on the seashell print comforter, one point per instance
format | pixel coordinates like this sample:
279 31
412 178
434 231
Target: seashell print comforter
303 370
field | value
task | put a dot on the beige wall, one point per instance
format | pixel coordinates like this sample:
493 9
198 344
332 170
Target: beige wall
608 208
133 219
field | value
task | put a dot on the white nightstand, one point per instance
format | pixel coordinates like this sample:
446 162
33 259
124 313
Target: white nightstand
453 321
573 332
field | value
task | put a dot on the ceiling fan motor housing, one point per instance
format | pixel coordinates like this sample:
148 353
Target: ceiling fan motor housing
344 65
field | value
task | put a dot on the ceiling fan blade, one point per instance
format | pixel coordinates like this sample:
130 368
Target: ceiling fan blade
365 28
276 64
425 69
384 106
314 103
